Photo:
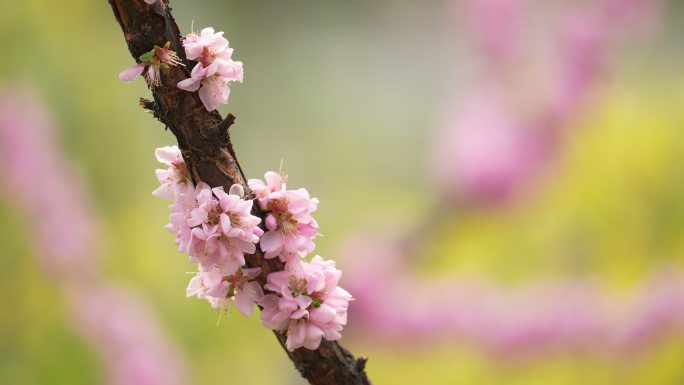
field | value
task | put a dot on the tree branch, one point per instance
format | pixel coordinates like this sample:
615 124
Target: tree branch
204 140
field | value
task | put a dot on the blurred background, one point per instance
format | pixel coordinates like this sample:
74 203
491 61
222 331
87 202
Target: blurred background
501 181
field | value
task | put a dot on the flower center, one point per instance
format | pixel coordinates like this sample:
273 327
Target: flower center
214 216
207 57
286 224
297 286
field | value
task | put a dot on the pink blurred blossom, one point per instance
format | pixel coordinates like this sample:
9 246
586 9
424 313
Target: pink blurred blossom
48 191
549 315
64 232
127 336
541 63
491 152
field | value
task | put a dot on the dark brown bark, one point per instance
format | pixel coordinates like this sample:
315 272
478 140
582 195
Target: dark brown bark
204 140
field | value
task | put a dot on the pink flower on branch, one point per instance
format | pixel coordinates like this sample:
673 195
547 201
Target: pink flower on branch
223 229
215 68
222 290
306 303
291 228
153 60
214 227
176 175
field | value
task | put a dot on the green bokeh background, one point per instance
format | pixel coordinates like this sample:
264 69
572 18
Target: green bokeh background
347 93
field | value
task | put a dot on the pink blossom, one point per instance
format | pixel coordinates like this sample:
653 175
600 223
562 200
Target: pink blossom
221 290
262 191
214 81
206 46
209 247
291 228
222 229
236 218
247 292
153 61
306 303
215 69
175 175
208 283
290 241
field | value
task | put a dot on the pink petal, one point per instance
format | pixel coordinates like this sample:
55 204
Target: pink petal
189 84
244 303
208 99
299 314
296 335
271 241
130 73
303 301
313 336
167 154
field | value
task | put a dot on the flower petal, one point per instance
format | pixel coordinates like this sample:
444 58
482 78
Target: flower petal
130 73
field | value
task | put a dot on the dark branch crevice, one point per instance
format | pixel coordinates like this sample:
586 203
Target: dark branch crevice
204 140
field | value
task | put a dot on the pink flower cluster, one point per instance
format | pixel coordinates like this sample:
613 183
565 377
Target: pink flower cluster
212 75
154 60
305 300
214 70
291 229
216 229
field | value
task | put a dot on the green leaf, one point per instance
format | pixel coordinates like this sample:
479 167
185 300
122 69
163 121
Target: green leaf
147 56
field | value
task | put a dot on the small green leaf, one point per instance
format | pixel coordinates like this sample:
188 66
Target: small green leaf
147 56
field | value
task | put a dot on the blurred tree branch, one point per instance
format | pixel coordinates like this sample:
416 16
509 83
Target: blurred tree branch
204 140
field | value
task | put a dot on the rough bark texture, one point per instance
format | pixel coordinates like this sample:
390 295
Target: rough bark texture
204 140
